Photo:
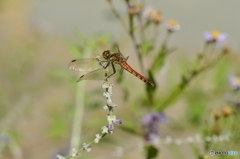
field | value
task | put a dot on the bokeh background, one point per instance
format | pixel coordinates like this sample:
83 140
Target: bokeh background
37 100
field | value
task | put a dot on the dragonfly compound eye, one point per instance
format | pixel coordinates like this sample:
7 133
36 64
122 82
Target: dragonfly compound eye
106 54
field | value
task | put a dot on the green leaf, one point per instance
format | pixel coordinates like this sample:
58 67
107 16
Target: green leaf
151 90
146 48
195 149
196 106
152 152
221 72
159 60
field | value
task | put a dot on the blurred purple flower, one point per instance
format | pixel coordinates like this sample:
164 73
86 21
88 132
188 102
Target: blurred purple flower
151 126
235 82
112 120
110 127
4 138
215 36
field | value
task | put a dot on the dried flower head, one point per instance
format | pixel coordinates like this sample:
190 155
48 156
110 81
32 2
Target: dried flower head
218 114
152 15
226 49
134 9
217 129
172 25
227 111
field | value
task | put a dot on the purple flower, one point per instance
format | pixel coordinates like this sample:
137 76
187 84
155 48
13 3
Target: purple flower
235 82
112 120
110 127
151 126
215 36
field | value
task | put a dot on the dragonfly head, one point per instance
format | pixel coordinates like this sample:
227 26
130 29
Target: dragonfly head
106 54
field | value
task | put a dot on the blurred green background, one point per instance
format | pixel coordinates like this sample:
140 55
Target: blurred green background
37 99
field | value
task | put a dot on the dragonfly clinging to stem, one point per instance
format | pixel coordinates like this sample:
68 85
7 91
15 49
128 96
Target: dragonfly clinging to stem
105 67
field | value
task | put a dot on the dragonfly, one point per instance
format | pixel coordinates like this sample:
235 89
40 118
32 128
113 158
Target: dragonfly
104 67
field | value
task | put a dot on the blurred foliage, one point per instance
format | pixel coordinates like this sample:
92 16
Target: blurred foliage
35 64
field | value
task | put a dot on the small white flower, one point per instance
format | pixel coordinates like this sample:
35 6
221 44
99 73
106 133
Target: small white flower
98 137
86 147
107 95
60 157
178 142
172 25
152 15
74 152
221 138
208 139
111 118
168 140
198 138
104 130
154 139
111 104
107 85
105 107
110 89
190 139
215 138
109 101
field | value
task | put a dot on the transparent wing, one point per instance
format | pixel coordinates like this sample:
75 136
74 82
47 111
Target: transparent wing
88 64
101 73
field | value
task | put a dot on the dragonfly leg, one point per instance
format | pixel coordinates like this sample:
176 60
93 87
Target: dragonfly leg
101 64
114 70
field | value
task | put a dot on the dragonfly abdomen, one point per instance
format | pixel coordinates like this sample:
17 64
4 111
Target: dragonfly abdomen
135 73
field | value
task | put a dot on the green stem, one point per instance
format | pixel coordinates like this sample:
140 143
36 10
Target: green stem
78 116
184 83
136 46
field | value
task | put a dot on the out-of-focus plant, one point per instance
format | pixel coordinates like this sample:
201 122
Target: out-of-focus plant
224 120
142 27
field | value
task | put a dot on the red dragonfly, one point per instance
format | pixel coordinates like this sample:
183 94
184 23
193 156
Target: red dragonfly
102 68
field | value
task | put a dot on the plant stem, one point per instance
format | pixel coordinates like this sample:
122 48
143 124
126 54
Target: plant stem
184 83
78 116
136 46
130 32
117 15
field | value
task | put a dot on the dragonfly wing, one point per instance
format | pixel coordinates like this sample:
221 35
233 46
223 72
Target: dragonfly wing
98 74
101 73
87 65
